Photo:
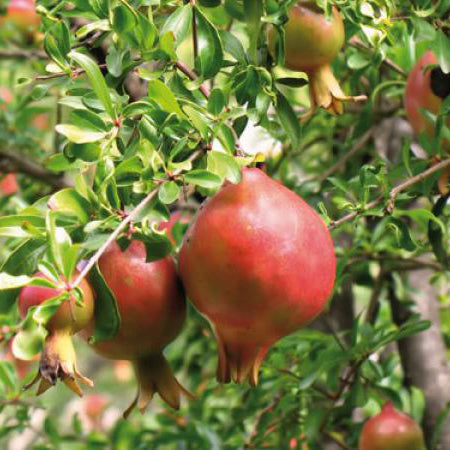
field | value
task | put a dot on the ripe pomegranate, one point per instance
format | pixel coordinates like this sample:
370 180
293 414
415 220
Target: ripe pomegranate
427 87
58 359
311 43
22 13
8 185
259 263
391 430
151 303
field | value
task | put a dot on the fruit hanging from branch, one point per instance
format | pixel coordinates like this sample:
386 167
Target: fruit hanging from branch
391 430
152 308
427 87
58 359
258 263
312 41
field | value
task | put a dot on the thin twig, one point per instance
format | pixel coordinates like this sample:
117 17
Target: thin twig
359 145
22 54
372 309
194 30
392 195
20 163
113 236
357 43
192 76
73 74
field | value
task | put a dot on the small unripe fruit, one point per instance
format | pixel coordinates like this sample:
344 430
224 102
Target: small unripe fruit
391 430
311 43
58 359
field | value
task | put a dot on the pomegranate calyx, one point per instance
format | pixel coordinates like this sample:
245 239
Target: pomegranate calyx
325 92
58 361
154 375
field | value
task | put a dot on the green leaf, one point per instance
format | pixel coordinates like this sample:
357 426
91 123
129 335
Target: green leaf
24 257
203 178
106 313
442 49
12 282
233 46
69 201
224 165
161 94
289 120
96 79
7 374
79 135
179 23
169 192
30 341
436 235
210 53
157 244
216 102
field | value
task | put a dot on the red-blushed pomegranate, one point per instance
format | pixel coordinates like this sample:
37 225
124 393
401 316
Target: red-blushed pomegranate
427 87
58 359
391 430
311 43
152 307
258 263
22 13
8 185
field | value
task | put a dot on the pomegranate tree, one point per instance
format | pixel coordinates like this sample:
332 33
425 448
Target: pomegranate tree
151 304
391 430
22 13
312 41
259 263
58 358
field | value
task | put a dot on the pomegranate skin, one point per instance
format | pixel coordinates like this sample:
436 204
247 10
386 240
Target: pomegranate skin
419 95
259 264
311 43
70 317
391 430
150 300
152 308
8 185
312 40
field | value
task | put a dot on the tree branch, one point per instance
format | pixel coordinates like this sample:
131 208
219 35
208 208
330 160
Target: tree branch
392 195
18 162
192 76
18 53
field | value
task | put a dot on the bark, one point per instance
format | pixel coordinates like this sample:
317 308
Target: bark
423 355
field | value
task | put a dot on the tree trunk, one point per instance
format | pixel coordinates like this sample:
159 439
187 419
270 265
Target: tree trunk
423 355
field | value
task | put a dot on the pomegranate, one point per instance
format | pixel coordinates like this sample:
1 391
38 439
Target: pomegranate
8 185
58 359
259 264
22 13
151 303
311 43
391 430
426 88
